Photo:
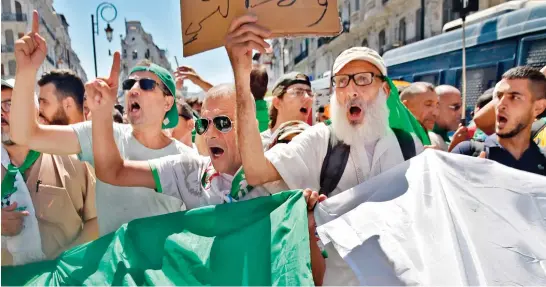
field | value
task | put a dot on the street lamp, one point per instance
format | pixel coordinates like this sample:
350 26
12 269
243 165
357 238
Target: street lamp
95 26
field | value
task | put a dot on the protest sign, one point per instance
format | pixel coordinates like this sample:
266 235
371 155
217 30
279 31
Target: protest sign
205 23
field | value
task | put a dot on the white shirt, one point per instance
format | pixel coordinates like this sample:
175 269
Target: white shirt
266 139
118 205
299 163
182 176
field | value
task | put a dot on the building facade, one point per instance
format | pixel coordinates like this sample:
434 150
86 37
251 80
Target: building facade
17 21
137 46
379 24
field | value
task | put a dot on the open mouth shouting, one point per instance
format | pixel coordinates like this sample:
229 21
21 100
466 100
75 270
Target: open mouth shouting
355 112
501 121
216 152
304 111
134 107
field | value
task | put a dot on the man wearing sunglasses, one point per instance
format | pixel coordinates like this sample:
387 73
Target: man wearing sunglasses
450 111
150 107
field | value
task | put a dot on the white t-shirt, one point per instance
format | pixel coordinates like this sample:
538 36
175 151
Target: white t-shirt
118 205
193 179
266 139
299 163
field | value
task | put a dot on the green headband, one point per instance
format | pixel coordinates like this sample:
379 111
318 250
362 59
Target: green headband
171 117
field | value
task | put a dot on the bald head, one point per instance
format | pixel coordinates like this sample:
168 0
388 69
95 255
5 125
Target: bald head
444 90
415 89
450 107
222 91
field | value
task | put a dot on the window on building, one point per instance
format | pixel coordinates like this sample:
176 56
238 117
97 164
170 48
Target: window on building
18 11
402 31
3 70
9 38
11 67
135 55
147 54
357 5
418 24
365 43
124 53
133 39
381 41
6 6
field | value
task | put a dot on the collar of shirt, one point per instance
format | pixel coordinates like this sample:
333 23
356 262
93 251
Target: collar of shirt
532 160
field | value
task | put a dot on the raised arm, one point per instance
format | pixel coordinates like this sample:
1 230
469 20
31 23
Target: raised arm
184 72
245 36
30 52
109 165
485 118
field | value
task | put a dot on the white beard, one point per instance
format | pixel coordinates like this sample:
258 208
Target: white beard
373 128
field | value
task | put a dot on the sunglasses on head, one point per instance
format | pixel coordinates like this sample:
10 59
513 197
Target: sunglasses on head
222 124
455 107
146 84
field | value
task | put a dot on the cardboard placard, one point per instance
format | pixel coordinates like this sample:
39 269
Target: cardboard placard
205 22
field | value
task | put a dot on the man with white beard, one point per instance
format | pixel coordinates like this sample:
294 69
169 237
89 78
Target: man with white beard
359 120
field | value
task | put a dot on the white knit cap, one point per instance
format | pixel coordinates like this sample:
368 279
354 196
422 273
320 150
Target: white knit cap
360 53
10 83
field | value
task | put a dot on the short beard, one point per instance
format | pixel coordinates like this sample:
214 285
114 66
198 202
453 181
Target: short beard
6 140
59 118
513 132
374 126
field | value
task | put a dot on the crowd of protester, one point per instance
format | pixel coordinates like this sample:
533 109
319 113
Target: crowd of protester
79 154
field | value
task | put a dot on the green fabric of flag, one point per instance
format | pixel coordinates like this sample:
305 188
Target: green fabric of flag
263 241
262 115
401 118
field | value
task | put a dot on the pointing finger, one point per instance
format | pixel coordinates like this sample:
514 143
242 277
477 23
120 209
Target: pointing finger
35 22
114 71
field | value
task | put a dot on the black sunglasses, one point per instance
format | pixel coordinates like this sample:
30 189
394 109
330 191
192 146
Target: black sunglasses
145 84
222 123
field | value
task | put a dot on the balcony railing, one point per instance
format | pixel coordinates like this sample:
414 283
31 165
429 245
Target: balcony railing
17 17
300 57
8 48
51 33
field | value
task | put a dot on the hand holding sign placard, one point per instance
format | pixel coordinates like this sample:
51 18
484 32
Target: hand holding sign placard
205 23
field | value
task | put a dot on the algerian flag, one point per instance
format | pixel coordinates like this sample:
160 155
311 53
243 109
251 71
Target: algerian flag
438 219
401 118
263 241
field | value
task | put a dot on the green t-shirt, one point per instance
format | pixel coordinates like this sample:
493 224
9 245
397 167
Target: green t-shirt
262 115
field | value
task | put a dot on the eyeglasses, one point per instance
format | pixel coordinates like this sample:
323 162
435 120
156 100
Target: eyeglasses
222 124
146 84
455 107
298 92
6 106
360 79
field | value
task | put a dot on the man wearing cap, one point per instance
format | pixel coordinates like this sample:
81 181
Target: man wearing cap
48 201
292 101
150 107
359 119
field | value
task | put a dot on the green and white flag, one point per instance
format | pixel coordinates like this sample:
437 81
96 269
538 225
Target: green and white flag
263 242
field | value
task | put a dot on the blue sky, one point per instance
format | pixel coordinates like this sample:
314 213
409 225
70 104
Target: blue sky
161 18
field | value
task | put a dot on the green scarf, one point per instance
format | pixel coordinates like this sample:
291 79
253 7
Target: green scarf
8 183
441 132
